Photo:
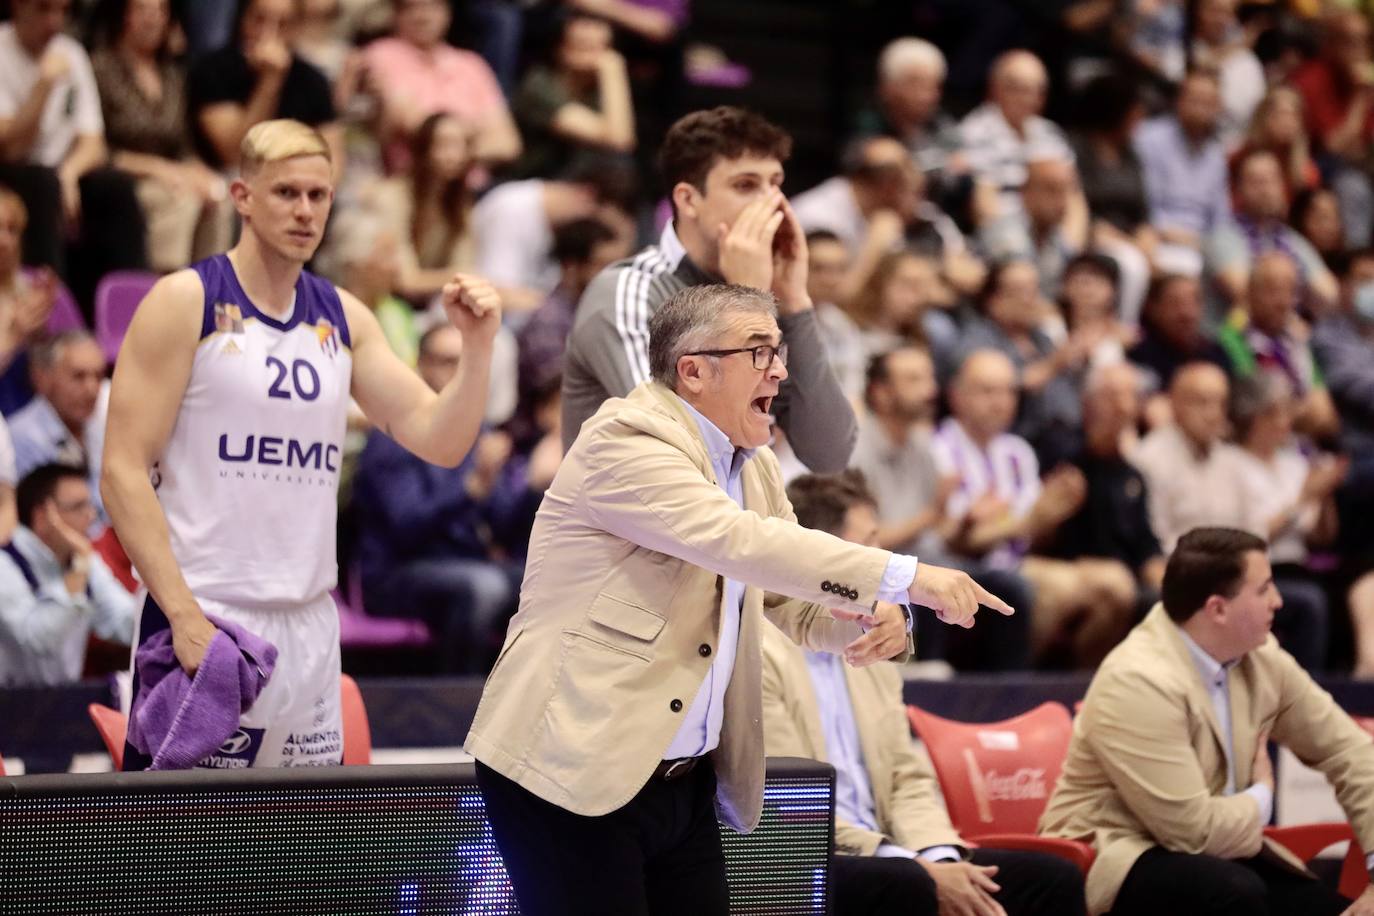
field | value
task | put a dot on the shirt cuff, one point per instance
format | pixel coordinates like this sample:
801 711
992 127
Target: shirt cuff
940 854
897 579
1264 797
887 850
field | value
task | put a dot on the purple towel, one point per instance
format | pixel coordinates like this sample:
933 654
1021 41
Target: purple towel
178 720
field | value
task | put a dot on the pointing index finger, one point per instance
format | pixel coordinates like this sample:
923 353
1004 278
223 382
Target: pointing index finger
988 599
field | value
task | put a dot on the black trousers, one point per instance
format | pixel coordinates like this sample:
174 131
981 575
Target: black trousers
1198 885
1033 884
659 854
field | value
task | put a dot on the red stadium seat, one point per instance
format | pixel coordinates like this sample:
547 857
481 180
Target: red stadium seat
1307 840
357 736
113 725
997 776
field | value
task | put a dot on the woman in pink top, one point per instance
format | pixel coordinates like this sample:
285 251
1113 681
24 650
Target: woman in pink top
416 73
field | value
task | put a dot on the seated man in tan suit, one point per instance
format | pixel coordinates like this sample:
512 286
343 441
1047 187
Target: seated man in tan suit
898 852
1168 774
623 715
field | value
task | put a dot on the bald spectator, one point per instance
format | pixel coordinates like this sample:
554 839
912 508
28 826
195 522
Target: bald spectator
1337 89
911 78
1257 227
876 206
1172 336
1191 470
1113 522
1268 338
894 452
1195 479
1185 170
1007 131
1050 226
1000 510
416 73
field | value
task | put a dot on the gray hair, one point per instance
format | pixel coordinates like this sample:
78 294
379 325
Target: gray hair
694 318
906 54
1255 394
46 353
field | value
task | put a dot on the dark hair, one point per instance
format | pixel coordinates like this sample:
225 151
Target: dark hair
697 141
612 178
1244 158
878 372
1205 562
992 283
1304 201
107 24
455 197
39 485
822 235
822 500
1095 263
574 242
1107 101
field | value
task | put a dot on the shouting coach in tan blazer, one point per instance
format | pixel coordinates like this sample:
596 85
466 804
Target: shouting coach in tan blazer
1168 774
623 715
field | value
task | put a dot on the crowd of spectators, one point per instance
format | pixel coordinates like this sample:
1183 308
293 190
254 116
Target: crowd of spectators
1063 342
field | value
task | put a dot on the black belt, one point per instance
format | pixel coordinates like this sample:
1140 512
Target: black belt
668 770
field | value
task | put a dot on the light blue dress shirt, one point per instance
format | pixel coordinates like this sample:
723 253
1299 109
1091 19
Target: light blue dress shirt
853 792
43 633
1216 679
700 731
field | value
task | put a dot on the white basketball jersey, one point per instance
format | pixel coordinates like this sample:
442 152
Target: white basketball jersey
249 478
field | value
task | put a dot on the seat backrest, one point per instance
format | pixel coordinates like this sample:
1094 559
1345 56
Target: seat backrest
996 776
357 737
113 725
116 299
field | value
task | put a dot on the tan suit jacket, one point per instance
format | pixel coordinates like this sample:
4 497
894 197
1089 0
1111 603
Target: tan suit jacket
620 611
906 796
1147 765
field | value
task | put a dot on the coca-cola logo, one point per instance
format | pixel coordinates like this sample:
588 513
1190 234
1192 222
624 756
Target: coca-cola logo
1026 784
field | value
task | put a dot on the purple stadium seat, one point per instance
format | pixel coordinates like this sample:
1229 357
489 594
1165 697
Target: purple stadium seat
359 630
116 298
65 314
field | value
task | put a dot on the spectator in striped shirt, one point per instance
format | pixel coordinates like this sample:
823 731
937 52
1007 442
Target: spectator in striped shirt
1003 510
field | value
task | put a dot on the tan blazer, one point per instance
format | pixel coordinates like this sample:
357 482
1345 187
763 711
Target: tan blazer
620 610
1147 766
906 797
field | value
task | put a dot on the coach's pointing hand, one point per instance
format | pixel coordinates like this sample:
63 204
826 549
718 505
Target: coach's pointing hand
952 594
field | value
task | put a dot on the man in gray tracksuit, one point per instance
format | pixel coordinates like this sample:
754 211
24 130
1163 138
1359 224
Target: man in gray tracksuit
731 224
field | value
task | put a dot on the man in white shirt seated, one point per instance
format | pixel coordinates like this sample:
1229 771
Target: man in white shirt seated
54 588
897 851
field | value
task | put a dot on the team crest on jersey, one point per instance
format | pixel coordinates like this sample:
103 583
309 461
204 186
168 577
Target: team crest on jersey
328 336
228 318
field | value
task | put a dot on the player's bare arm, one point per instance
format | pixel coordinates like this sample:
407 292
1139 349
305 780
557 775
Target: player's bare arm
440 428
149 381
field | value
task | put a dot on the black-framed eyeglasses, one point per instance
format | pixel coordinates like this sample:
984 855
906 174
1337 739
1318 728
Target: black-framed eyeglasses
763 354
